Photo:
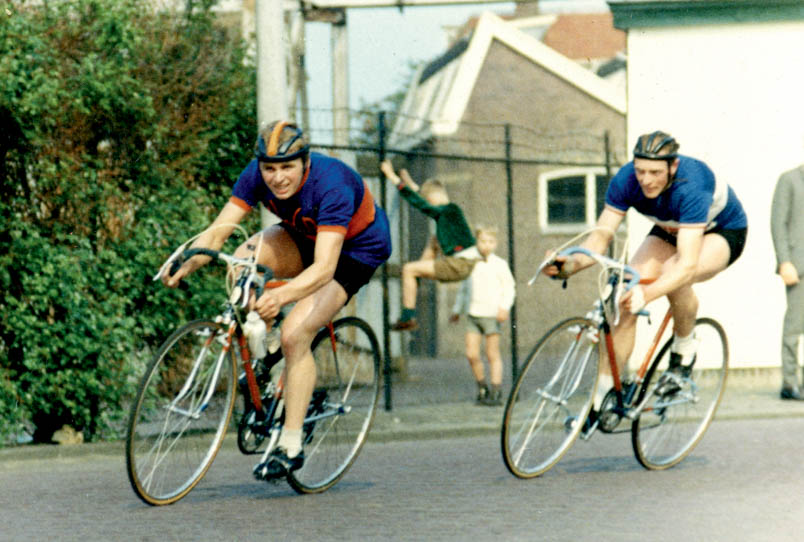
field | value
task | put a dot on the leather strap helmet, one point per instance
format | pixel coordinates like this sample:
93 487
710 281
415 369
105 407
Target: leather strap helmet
656 145
281 141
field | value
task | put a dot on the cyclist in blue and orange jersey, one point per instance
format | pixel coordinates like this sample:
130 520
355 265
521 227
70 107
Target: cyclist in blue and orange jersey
330 239
700 229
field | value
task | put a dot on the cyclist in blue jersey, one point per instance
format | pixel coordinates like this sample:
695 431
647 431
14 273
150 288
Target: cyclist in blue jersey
331 237
700 229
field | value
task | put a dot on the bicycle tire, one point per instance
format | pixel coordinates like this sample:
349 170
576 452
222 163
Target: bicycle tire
169 449
668 429
346 391
551 398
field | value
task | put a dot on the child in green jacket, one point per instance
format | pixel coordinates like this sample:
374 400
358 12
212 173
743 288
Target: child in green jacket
449 257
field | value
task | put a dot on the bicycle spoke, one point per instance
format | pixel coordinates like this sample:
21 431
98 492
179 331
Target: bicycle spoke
554 388
349 375
668 428
181 413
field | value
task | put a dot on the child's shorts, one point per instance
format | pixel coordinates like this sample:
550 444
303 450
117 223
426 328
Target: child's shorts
453 268
483 325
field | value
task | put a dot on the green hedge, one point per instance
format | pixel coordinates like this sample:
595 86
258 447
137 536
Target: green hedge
123 130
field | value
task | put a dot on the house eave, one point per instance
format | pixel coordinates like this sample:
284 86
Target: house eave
661 13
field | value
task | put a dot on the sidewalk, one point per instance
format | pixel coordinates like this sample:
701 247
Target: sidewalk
437 401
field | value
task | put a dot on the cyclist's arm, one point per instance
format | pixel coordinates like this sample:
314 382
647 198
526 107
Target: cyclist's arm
598 241
213 237
681 270
325 259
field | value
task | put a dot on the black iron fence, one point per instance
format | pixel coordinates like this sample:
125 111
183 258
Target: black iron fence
537 187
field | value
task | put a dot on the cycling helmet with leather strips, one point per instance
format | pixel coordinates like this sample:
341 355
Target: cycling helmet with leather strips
281 141
656 146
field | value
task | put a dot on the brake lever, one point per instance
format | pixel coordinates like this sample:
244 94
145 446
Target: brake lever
174 261
545 263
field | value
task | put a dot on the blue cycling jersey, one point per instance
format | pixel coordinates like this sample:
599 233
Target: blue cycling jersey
332 197
694 199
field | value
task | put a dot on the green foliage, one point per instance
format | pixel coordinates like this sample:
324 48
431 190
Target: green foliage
123 129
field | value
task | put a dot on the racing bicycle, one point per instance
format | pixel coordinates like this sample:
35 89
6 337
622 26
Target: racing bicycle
186 398
554 392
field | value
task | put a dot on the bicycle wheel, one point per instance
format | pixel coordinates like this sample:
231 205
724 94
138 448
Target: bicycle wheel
181 413
670 427
344 401
551 398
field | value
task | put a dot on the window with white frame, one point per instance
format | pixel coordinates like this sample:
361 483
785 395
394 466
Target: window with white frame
571 199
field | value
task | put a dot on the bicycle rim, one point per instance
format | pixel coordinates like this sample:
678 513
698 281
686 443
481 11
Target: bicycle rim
175 426
551 398
669 428
345 399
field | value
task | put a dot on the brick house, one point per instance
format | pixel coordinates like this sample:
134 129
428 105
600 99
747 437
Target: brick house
502 72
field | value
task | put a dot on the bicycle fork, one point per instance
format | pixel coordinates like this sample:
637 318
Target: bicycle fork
190 383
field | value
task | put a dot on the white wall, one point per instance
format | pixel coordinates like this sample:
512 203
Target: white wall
733 96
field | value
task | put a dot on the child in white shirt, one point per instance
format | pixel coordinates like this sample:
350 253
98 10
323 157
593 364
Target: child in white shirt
486 296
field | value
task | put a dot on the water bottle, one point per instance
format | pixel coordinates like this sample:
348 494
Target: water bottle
273 339
256 333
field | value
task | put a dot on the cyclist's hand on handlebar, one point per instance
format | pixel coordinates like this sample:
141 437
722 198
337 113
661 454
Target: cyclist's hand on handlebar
174 280
561 267
268 305
634 299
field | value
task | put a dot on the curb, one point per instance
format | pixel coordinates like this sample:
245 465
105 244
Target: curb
428 422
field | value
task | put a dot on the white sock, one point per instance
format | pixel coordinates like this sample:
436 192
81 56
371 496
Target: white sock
290 440
604 383
685 346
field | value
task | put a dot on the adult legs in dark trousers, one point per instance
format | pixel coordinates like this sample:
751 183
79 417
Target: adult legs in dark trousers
792 330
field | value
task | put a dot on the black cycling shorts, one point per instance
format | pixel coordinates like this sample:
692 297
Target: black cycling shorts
350 273
734 238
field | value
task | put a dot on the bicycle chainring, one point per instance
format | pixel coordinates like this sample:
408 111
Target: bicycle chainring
608 417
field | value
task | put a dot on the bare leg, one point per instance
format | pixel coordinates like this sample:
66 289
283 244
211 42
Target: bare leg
276 249
473 356
298 330
654 256
411 272
713 259
649 260
495 359
684 305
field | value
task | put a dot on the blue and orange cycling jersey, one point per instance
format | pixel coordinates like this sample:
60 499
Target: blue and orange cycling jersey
694 199
332 197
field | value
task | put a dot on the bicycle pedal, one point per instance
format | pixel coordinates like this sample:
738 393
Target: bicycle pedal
260 471
586 434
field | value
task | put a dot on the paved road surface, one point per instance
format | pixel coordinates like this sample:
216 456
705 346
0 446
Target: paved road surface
743 482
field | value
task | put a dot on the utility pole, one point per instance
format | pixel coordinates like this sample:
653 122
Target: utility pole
272 102
336 18
340 81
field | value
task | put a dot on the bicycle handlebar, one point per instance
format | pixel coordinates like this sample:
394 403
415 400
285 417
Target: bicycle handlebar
218 255
178 258
605 261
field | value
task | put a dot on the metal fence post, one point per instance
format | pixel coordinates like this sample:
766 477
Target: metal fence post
511 256
386 334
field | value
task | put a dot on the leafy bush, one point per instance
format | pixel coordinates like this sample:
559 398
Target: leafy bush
123 128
